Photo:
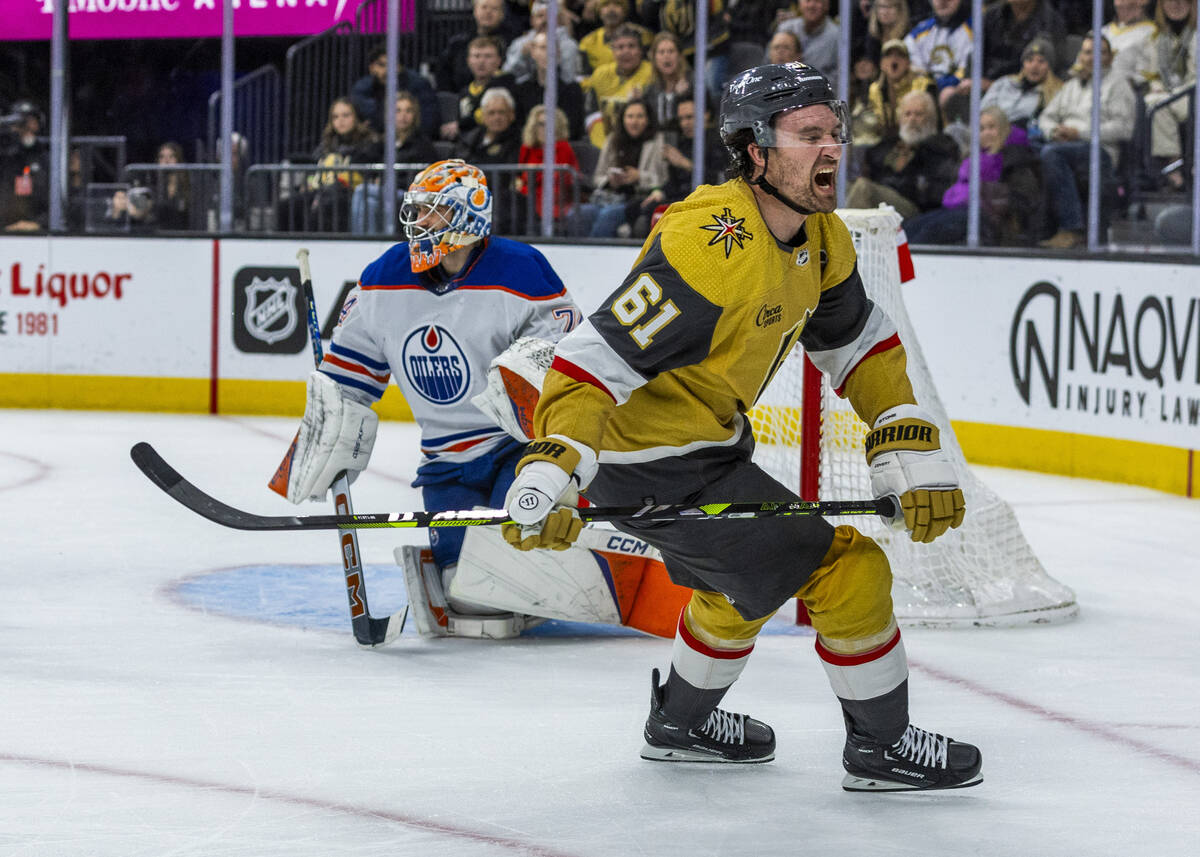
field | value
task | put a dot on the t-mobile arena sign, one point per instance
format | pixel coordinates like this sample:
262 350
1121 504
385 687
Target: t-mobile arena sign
171 19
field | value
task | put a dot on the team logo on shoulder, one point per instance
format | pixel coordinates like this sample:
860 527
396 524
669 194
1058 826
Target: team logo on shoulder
728 229
436 365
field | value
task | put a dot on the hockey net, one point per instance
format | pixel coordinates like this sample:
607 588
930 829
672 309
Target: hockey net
984 572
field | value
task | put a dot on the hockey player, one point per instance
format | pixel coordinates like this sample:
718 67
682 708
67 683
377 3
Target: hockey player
434 312
646 402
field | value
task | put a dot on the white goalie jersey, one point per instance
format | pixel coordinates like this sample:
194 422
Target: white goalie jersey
439 346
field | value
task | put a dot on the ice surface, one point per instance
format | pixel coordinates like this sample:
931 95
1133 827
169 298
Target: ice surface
169 687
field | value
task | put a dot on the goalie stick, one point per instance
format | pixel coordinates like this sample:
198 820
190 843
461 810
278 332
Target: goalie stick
169 480
369 632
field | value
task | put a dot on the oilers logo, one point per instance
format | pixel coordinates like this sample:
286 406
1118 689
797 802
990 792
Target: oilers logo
435 365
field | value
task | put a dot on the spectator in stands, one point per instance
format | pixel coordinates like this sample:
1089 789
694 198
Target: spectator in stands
940 46
1170 66
1010 192
1128 33
533 151
172 191
323 203
751 21
887 21
1066 125
452 71
1011 25
1024 96
678 17
596 46
497 139
611 85
412 147
818 36
24 170
896 80
911 169
531 91
672 80
369 91
784 47
679 156
632 165
484 56
519 61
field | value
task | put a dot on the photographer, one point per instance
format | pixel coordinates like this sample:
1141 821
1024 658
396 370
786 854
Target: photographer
24 170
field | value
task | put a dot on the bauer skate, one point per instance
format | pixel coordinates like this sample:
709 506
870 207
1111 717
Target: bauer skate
723 737
919 760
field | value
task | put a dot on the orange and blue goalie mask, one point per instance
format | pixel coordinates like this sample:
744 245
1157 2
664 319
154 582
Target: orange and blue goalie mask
446 208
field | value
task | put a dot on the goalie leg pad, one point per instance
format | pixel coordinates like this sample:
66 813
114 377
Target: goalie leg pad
336 434
434 617
607 578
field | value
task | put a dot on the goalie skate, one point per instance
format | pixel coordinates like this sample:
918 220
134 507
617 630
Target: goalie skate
432 614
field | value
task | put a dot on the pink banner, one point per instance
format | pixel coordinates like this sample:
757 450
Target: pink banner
171 19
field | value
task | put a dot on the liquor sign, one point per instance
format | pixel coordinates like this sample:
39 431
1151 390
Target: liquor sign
173 19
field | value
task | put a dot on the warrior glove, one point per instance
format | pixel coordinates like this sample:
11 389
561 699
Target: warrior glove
908 464
544 495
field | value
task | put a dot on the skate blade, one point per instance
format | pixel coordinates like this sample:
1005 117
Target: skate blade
852 783
675 754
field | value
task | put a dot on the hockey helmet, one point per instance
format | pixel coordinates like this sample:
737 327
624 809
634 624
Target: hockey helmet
446 208
754 97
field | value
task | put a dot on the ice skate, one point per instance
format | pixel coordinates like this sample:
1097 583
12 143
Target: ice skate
723 737
920 760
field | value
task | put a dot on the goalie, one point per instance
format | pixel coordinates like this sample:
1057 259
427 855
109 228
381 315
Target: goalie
645 402
434 312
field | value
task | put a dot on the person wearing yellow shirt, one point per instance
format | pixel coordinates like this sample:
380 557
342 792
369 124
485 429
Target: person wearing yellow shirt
616 82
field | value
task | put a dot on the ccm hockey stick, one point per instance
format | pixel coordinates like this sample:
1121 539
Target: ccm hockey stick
368 631
168 479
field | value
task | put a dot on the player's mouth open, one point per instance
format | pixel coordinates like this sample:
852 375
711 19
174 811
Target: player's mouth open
825 178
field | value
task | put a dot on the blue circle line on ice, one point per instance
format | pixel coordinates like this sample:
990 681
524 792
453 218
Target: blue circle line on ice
314 597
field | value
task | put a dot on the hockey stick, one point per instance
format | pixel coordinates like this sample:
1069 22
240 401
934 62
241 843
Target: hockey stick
168 479
368 631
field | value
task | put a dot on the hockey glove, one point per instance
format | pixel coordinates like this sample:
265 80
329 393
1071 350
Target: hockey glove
543 497
336 434
908 464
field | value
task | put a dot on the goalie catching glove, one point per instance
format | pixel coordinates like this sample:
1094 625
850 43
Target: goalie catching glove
908 464
336 434
543 497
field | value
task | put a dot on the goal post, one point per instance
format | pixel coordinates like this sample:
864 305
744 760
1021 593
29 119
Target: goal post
982 574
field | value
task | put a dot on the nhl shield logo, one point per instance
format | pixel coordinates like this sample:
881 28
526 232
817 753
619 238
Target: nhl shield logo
435 365
270 314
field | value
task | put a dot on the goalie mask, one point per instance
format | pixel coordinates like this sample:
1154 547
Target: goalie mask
446 208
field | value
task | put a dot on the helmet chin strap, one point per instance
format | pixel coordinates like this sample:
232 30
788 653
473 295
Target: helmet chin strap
769 188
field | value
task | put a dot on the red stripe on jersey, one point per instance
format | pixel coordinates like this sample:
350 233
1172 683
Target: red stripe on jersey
878 348
831 657
383 287
576 374
457 447
334 360
706 650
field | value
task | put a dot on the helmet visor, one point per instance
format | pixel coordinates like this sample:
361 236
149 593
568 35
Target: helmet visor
822 129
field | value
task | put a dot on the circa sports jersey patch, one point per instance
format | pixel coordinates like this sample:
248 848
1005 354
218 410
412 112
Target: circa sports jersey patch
435 365
728 229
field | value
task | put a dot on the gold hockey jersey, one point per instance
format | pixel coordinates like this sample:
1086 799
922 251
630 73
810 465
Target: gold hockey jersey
691 338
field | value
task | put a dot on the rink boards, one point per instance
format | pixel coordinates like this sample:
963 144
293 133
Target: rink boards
1084 368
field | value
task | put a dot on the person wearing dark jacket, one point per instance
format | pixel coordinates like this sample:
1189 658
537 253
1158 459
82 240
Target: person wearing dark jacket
1010 192
1009 26
451 70
412 147
370 90
911 169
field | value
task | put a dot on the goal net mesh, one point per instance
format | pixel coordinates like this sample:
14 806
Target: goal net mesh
984 572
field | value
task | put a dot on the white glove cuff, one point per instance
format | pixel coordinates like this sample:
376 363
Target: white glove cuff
902 412
585 470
